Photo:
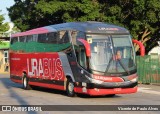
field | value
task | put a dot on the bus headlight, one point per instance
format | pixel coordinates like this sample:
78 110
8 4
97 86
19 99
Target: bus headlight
134 79
94 80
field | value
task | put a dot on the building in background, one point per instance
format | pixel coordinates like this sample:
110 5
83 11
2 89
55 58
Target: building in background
4 55
4 48
155 50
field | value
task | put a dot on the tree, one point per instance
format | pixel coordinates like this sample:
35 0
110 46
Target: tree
3 26
30 14
141 17
71 10
23 14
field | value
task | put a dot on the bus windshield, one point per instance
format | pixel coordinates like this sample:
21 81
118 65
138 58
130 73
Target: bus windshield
112 54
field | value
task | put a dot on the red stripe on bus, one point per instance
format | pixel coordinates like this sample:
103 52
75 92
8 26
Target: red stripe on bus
97 91
108 78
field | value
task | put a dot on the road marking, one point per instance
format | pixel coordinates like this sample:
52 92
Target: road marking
148 90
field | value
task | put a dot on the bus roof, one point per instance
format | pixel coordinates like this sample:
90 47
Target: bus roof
88 27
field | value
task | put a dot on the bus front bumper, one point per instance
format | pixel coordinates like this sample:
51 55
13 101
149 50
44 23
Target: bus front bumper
98 91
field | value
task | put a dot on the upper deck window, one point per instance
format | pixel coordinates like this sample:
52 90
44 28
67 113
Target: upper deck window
14 40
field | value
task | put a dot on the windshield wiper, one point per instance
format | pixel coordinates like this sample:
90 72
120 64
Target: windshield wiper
123 66
108 66
120 62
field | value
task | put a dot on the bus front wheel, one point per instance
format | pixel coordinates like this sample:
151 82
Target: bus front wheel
70 88
26 86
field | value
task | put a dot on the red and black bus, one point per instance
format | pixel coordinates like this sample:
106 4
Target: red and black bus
91 58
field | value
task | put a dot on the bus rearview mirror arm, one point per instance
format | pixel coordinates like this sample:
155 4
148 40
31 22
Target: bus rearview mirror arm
87 47
142 48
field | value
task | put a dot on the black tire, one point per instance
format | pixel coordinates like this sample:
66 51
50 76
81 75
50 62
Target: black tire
26 86
70 88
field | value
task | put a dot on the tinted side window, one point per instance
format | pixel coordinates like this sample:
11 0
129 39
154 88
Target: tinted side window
35 37
51 38
29 38
14 40
79 48
42 38
80 35
48 38
22 39
63 37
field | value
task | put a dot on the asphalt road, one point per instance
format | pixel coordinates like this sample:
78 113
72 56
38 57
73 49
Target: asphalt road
12 94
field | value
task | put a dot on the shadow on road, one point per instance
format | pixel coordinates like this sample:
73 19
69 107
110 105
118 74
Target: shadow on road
54 91
8 84
102 96
47 90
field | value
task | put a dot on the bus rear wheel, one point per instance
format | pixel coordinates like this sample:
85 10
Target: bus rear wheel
70 88
26 86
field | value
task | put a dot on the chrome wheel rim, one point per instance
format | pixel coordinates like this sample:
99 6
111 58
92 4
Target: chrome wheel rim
25 82
70 87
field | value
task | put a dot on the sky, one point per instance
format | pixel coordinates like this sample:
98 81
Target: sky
3 5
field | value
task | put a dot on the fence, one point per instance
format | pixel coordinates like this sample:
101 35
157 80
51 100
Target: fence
148 68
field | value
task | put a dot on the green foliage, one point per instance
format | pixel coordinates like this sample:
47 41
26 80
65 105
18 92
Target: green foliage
70 10
136 15
3 26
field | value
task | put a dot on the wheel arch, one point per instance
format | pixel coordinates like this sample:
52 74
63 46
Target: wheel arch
69 76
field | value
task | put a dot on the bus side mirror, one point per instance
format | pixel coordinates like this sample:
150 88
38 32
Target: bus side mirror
142 48
87 47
